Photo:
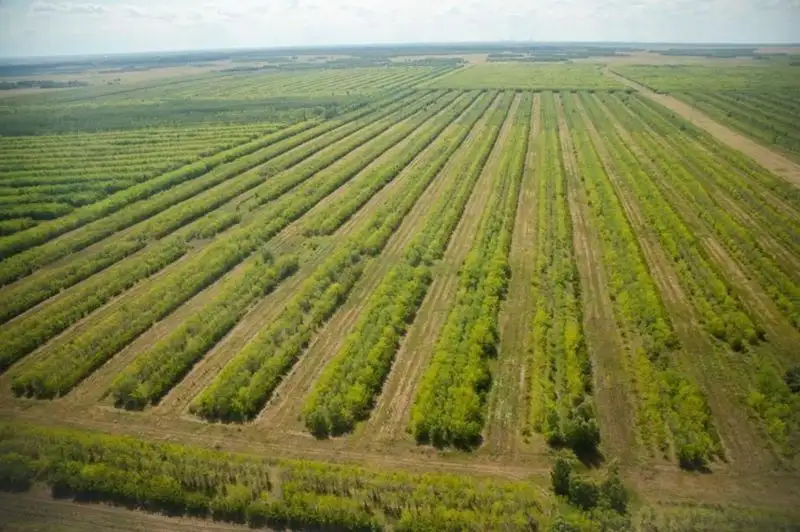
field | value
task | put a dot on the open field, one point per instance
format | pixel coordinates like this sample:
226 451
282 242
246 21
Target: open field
401 310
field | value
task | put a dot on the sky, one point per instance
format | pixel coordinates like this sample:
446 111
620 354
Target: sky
54 27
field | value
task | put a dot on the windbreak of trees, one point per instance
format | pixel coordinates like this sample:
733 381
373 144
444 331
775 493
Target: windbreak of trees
669 402
40 84
182 480
561 405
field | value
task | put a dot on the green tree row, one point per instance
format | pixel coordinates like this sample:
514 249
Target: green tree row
43 232
561 406
345 392
24 335
155 371
768 198
696 184
280 153
244 386
337 212
261 184
77 357
183 480
722 312
668 402
449 405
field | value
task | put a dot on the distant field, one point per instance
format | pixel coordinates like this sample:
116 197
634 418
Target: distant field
393 297
759 101
527 76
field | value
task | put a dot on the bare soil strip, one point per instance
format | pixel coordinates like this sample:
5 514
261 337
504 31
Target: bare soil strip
507 403
698 359
390 416
769 159
612 391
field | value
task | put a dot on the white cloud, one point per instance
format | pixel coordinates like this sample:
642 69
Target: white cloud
64 26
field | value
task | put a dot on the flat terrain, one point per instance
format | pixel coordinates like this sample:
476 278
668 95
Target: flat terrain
395 281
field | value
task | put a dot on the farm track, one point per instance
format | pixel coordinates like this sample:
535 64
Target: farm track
769 159
506 413
612 385
698 358
149 338
392 410
285 407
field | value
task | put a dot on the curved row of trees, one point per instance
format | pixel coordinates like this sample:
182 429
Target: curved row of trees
78 356
243 387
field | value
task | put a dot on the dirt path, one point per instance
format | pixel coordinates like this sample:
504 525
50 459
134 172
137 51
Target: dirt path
509 387
615 413
283 411
769 159
698 358
390 416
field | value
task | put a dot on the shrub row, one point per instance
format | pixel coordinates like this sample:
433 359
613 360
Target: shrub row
449 405
244 386
44 232
561 406
281 155
721 311
156 370
264 184
182 480
668 400
338 211
345 392
781 281
77 357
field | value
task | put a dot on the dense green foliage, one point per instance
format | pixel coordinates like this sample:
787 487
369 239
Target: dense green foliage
560 376
714 78
243 387
155 371
345 392
669 402
77 357
722 312
449 405
182 480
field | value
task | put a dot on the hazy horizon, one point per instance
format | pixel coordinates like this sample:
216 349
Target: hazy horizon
47 28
